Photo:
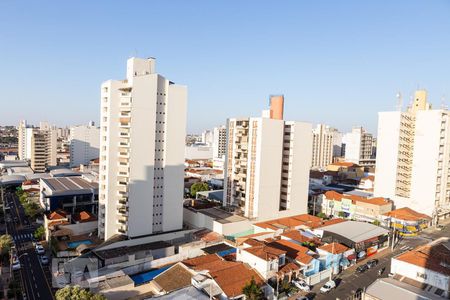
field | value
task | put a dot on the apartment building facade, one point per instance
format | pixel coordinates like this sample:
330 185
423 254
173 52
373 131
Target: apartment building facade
267 165
413 157
143 129
219 146
84 144
322 149
358 147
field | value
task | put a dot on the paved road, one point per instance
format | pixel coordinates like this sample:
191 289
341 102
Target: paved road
348 282
31 275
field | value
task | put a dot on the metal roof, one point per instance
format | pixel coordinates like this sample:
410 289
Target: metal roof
68 186
355 231
388 288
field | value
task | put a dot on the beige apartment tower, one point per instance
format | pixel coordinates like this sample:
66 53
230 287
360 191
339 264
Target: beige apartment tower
143 127
267 166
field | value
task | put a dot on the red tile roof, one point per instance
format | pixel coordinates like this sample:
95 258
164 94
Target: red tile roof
200 260
334 248
332 195
84 217
407 214
291 222
265 252
298 237
233 280
432 257
57 214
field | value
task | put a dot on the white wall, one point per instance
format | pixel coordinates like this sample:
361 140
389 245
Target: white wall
84 144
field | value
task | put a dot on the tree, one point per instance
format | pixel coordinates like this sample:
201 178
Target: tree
376 222
32 209
322 215
252 291
5 244
39 233
75 293
198 187
341 214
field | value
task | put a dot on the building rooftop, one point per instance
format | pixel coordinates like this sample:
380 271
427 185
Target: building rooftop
232 280
58 214
334 248
300 236
355 198
407 214
291 222
388 288
63 172
68 186
174 278
355 231
221 216
187 293
83 217
265 252
201 260
11 179
434 256
116 252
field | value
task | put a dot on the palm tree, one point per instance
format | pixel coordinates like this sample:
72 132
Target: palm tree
252 291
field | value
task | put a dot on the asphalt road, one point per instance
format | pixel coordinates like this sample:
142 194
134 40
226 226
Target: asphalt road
32 275
348 282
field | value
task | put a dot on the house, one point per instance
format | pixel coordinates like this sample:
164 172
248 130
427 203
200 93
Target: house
367 183
265 259
332 256
174 278
426 267
355 206
347 170
406 221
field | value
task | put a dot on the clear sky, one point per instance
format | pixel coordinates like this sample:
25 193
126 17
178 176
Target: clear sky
336 62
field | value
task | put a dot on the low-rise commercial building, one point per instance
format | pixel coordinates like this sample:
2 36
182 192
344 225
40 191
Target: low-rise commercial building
406 221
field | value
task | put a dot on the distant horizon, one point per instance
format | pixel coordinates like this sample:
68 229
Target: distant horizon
336 63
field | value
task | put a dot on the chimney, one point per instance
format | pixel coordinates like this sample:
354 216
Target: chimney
276 107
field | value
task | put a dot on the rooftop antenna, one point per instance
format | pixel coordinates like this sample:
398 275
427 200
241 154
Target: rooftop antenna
399 101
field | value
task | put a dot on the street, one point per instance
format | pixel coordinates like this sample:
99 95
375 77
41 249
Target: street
349 282
32 277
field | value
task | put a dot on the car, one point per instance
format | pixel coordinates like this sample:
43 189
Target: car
372 263
15 263
39 249
302 285
44 260
302 298
362 268
328 287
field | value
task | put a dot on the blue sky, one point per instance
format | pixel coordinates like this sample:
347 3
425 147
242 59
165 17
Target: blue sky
336 62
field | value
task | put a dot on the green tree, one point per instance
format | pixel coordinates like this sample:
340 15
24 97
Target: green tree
341 214
77 293
198 187
322 215
252 291
39 233
32 209
5 244
376 222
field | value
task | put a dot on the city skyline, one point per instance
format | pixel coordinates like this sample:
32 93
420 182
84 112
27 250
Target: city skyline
357 58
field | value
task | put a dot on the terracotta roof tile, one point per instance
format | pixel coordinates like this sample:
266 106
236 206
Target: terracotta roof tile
332 195
407 214
200 260
265 252
334 248
174 278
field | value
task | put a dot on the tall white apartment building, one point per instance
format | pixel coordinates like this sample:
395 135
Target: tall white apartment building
267 165
219 146
413 157
38 145
322 146
358 145
143 129
84 141
207 137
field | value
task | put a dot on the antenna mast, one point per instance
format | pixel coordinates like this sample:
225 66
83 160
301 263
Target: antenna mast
399 101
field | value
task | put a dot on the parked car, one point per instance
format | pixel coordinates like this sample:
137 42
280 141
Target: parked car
328 287
39 249
44 260
362 268
372 263
15 263
302 285
302 298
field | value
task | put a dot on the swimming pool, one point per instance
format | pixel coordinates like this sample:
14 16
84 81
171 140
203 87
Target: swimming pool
75 244
147 276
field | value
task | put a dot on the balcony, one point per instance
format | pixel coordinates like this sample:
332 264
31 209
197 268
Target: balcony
124 154
123 201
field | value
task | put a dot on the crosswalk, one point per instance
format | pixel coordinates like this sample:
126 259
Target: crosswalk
405 248
23 237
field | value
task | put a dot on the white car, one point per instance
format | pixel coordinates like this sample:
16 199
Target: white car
15 264
328 287
302 285
39 249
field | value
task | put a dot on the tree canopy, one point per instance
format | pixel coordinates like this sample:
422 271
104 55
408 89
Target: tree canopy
252 291
77 293
39 233
5 244
199 187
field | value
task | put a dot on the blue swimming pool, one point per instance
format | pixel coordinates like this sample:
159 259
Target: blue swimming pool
73 245
147 276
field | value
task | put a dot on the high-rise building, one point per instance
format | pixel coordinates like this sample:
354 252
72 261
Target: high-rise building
207 137
38 145
84 144
413 157
143 129
267 165
219 146
358 147
322 146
